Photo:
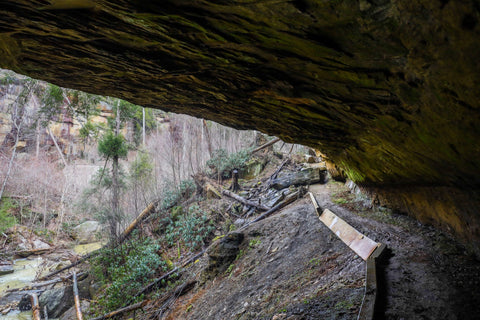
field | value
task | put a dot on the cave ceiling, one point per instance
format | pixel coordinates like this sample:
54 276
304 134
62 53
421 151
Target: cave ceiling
389 90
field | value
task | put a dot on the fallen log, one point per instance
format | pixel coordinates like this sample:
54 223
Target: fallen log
122 238
305 177
147 211
280 167
275 174
76 298
35 306
289 199
268 144
245 201
6 267
122 310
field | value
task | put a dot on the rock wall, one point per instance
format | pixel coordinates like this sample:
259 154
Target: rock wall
387 89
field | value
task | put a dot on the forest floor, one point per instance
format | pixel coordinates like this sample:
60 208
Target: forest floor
291 266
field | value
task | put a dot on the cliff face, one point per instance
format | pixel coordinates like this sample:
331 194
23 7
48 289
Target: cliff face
387 89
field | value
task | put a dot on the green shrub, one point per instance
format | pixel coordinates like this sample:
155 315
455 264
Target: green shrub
223 163
192 228
124 271
7 220
173 196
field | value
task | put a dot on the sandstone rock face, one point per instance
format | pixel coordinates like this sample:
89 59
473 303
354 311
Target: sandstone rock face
87 232
388 90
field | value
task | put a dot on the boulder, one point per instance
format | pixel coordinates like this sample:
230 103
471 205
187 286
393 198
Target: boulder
87 232
39 245
57 300
304 177
27 242
253 168
71 313
222 253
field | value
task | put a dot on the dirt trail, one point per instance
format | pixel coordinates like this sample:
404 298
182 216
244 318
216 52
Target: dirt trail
427 275
291 266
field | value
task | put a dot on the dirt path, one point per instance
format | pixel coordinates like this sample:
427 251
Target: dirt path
428 275
291 266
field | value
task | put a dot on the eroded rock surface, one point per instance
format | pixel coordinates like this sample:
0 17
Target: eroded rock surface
387 89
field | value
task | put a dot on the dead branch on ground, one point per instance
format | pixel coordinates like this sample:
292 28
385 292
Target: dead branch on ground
120 311
245 201
35 306
76 298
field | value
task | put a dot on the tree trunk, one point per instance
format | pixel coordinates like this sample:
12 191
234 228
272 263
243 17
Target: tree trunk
268 144
17 123
118 312
56 146
235 186
37 139
10 164
115 184
143 126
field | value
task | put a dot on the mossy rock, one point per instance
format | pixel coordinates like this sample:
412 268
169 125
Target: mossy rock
253 168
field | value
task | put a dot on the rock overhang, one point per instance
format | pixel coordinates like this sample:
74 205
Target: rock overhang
388 90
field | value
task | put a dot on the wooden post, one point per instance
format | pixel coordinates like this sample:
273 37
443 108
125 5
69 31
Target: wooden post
35 306
76 298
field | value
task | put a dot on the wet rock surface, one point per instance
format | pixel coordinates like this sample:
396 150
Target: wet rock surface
370 83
